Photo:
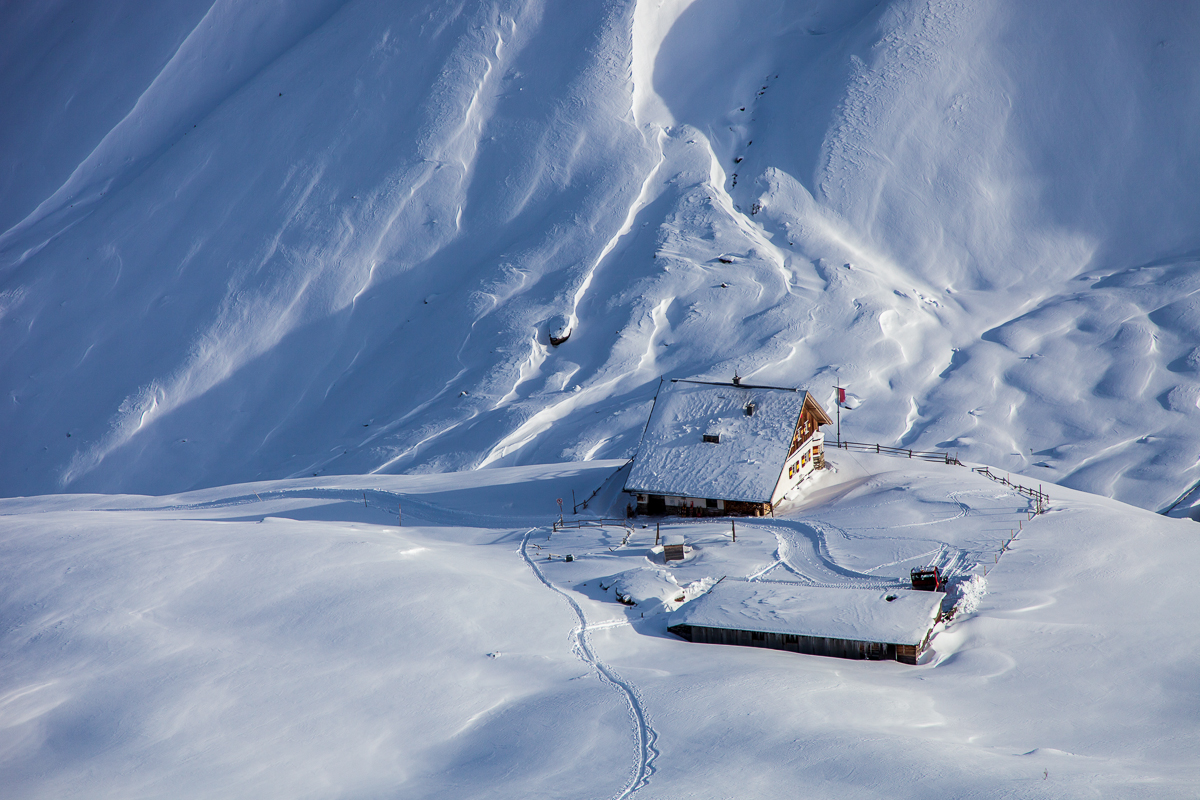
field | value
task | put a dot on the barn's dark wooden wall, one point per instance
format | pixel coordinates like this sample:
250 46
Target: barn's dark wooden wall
811 645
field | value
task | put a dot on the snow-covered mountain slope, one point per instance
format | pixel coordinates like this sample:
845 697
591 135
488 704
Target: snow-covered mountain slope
287 639
243 241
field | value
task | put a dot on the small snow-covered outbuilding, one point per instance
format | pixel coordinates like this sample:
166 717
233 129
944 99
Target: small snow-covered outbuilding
725 448
673 545
818 620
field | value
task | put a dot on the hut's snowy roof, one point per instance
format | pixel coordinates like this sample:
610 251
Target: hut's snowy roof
673 458
863 615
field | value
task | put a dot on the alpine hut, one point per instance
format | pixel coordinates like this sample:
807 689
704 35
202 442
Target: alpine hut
725 448
874 624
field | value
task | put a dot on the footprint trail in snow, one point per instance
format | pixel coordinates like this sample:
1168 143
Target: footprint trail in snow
644 734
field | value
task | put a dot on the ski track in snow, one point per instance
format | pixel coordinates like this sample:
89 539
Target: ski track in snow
814 567
644 734
936 554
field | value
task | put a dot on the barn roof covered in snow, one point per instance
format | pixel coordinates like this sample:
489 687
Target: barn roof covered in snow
864 615
700 442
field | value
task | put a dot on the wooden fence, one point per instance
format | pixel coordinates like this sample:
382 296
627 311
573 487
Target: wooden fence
903 452
591 523
1041 499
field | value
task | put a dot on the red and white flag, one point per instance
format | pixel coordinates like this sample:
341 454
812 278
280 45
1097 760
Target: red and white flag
841 395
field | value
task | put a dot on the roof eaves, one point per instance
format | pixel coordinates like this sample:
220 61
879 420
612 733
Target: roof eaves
669 492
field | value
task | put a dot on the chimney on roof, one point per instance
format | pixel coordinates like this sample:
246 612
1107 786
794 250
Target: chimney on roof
750 409
737 379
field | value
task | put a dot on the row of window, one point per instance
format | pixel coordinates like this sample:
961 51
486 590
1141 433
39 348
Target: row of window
682 502
798 466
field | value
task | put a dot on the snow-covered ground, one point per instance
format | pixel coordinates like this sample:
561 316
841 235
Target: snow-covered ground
245 241
288 639
275 275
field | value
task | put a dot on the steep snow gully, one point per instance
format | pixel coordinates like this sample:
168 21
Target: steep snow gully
331 241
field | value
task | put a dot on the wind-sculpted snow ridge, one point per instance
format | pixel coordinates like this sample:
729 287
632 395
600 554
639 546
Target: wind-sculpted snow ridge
331 241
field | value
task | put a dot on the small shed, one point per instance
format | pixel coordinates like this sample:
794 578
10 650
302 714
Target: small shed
874 624
725 448
673 547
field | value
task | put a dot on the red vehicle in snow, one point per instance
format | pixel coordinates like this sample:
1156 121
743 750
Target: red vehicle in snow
927 579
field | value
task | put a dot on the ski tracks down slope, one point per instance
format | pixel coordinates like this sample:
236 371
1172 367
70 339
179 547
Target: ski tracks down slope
644 734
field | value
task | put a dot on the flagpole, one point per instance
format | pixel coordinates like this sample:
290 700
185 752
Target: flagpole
837 398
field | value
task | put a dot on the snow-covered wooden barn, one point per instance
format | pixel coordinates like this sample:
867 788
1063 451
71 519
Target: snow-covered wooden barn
825 621
725 448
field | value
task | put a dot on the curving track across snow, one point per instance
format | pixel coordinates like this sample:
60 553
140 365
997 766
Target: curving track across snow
806 558
644 734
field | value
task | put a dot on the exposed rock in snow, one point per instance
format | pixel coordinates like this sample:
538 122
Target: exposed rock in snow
559 329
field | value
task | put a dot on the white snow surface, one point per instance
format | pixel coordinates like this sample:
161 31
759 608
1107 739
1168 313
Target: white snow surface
673 458
861 615
289 639
650 589
249 241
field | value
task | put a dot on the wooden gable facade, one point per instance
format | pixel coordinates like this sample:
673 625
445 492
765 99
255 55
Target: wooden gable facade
812 417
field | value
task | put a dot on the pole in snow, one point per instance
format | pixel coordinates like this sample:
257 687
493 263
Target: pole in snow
560 511
574 505
399 516
841 398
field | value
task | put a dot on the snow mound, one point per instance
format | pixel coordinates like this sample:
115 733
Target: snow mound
653 590
970 594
